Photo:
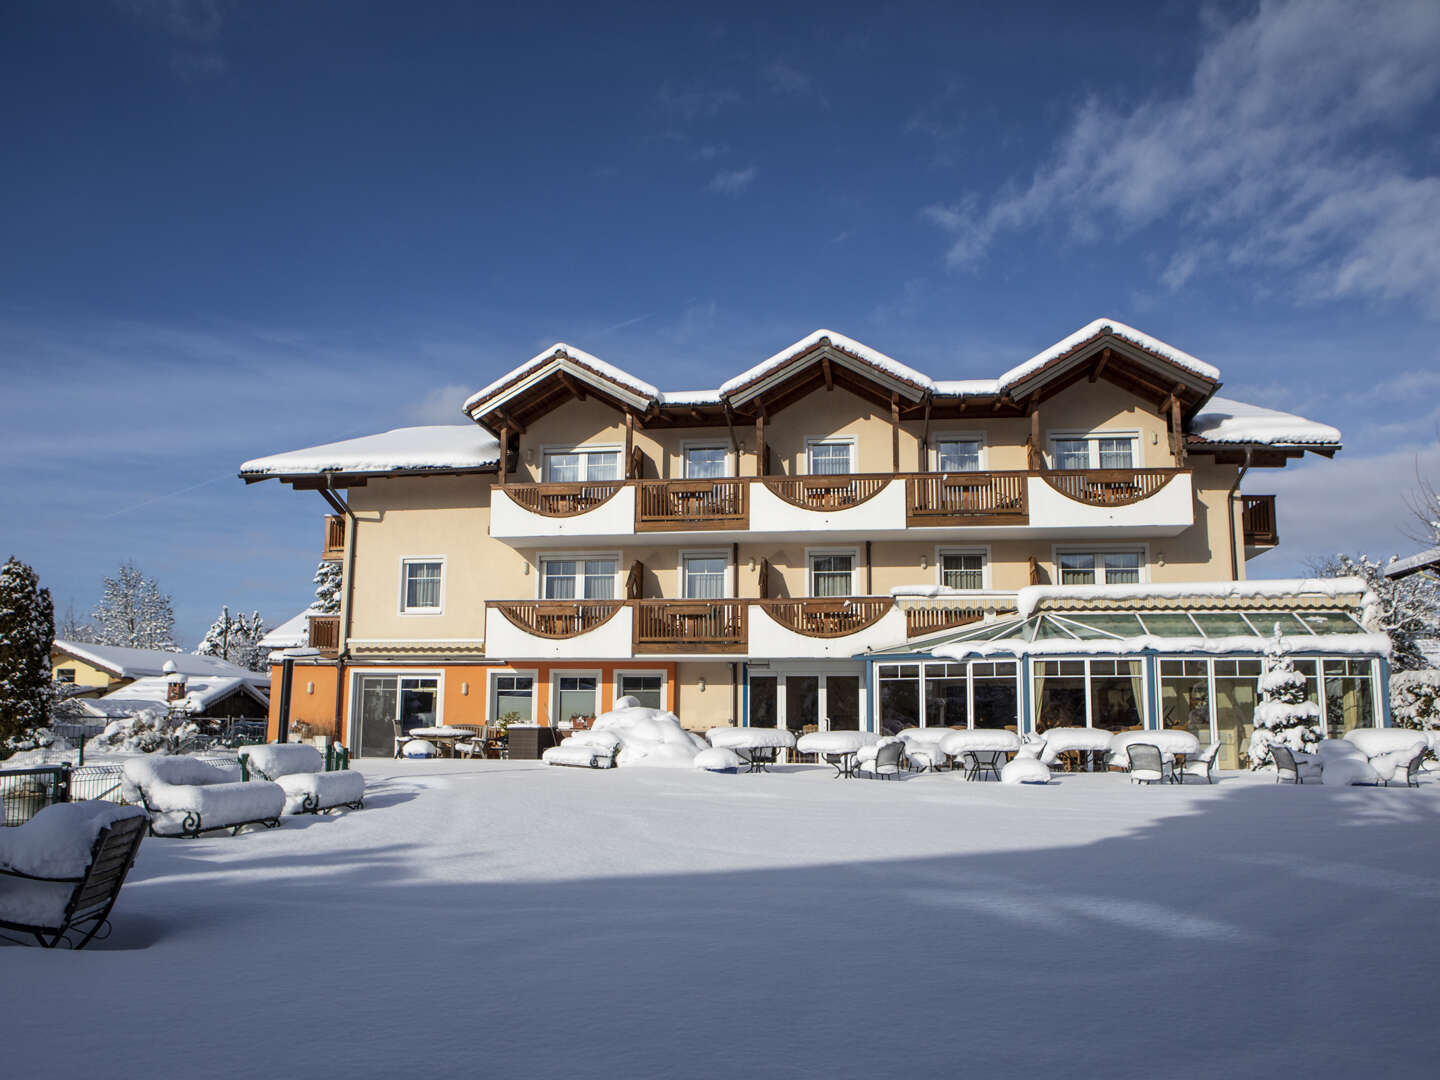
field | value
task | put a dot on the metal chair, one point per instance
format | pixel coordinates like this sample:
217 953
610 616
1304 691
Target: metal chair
1412 770
1286 768
1201 765
886 765
1147 764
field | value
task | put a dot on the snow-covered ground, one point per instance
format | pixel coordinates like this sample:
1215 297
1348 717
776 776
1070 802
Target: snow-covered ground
511 919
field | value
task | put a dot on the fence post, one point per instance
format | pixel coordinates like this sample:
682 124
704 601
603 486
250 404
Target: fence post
62 783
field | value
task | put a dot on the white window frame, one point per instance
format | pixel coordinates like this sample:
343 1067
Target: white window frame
490 693
617 591
1142 706
599 448
687 445
712 553
556 674
1100 549
810 556
621 673
959 436
405 561
1093 437
817 440
951 549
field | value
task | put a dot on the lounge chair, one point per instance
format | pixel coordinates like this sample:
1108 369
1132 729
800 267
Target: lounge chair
1147 764
187 797
63 893
886 763
1201 765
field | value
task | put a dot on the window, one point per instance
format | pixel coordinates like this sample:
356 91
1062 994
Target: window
512 699
957 455
391 705
1094 452
647 689
421 585
962 570
829 457
65 674
704 576
578 579
832 574
704 462
581 466
575 698
1099 567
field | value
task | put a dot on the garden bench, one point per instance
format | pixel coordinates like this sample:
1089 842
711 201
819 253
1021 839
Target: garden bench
186 797
300 771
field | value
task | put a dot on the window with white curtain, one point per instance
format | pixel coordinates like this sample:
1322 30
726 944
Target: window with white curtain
1100 567
957 455
704 576
829 457
578 579
581 466
1094 452
421 588
832 573
962 569
705 462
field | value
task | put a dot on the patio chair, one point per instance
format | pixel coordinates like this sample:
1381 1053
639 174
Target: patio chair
1287 770
886 765
1201 765
1411 775
473 746
1147 764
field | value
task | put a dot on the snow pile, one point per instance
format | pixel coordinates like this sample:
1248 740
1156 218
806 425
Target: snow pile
419 748
439 447
55 843
1394 765
1169 743
1226 421
750 738
1024 770
1372 742
284 759
306 791
1343 765
718 759
648 736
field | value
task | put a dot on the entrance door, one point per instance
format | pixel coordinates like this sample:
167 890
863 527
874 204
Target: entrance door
391 705
842 702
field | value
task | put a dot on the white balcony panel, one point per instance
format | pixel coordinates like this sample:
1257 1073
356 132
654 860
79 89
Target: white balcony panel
770 640
614 517
1168 512
770 514
613 639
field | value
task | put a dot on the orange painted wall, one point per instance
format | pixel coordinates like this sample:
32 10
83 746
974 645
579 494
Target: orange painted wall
317 709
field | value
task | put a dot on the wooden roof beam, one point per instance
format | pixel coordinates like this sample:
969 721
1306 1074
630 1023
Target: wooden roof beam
1099 368
571 385
829 378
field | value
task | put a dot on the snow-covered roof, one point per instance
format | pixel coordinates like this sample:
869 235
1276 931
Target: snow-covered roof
1413 564
292 633
1127 333
152 693
1034 596
139 663
1223 420
557 352
690 397
873 357
435 447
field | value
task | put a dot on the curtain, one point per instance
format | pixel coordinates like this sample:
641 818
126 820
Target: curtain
1137 687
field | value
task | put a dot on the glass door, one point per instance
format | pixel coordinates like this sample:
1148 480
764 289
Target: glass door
377 716
802 703
842 702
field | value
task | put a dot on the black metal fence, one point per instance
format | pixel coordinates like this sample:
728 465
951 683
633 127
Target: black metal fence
25 792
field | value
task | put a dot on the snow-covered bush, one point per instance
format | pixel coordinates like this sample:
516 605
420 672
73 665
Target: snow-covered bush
1283 717
329 577
147 731
1415 699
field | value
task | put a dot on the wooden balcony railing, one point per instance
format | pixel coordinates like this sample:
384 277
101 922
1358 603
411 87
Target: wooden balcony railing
1259 519
557 618
334 537
828 618
682 626
1109 487
982 498
835 492
562 500
931 620
692 504
325 634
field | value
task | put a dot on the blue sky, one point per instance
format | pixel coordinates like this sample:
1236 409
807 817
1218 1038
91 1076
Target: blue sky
236 229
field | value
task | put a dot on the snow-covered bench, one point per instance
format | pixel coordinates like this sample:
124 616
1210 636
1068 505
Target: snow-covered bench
585 750
186 797
61 871
300 771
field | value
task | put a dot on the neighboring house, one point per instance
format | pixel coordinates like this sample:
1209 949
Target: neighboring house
100 669
746 554
293 633
1428 559
219 697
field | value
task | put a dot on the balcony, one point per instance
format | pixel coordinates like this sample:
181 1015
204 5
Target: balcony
324 634
334 548
850 506
1258 517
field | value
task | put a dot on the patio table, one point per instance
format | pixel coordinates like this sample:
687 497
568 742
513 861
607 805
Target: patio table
986 747
838 748
443 737
756 746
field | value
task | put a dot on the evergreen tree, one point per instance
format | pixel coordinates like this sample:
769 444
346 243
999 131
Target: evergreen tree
1284 716
1415 699
237 640
134 612
27 630
328 580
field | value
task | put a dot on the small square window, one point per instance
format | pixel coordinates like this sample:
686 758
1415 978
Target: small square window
830 458
962 570
831 574
422 585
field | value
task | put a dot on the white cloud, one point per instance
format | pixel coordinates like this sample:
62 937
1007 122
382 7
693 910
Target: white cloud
442 405
784 79
693 102
732 181
195 25
1272 157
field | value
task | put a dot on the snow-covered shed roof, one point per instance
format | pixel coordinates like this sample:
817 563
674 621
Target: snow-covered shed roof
150 694
433 448
1223 420
126 663
1413 564
292 633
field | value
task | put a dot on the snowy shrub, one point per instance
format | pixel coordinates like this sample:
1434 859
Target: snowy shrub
1283 717
148 731
649 736
1415 699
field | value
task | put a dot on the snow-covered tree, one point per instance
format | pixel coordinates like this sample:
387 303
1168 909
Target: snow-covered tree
1415 699
237 639
134 612
1406 609
69 626
27 630
328 579
1283 716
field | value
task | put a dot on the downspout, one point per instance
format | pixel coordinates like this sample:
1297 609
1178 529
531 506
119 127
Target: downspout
1230 508
348 574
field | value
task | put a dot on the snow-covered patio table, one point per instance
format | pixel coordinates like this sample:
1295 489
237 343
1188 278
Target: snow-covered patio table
986 747
839 747
922 745
444 737
1066 740
756 745
1170 744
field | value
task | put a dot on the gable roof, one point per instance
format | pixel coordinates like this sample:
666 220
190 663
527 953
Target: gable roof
150 694
1413 564
126 663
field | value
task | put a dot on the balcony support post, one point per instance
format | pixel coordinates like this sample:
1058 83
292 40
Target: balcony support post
630 470
1177 433
923 465
504 452
760 443
895 433
1035 457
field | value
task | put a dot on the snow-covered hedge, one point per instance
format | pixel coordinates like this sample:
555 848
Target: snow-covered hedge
147 731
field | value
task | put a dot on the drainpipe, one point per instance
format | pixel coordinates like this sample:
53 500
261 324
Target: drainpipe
348 576
1230 508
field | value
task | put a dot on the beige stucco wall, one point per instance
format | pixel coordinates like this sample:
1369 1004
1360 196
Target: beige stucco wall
85 674
715 706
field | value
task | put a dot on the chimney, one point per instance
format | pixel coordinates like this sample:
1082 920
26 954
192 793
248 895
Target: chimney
174 683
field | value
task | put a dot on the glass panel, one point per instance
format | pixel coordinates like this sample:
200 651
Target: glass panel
576 698
831 574
559 578
1077 569
377 716
763 698
1329 622
705 461
1169 624
599 579
829 458
958 455
1115 699
1265 622
962 571
1235 700
1122 567
514 700
1223 624
1060 699
1072 454
1119 625
900 700
1185 697
1047 629
417 702
646 689
704 577
802 703
997 697
561 468
945 696
1349 704
1116 454
842 702
422 585
602 465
